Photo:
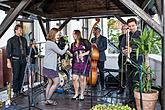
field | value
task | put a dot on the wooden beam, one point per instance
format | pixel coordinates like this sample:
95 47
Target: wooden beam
121 19
9 19
145 4
159 6
42 26
65 22
4 0
47 25
25 20
163 61
85 14
143 15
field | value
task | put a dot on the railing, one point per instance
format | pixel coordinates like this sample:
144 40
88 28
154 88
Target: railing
155 63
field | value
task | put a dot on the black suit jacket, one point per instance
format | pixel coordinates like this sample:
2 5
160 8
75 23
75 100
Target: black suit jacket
135 35
102 46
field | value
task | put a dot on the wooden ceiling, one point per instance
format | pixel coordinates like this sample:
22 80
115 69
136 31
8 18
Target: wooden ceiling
62 9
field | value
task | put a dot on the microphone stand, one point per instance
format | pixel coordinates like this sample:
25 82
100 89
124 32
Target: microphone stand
30 93
90 76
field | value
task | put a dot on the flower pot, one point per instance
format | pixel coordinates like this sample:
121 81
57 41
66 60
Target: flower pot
149 100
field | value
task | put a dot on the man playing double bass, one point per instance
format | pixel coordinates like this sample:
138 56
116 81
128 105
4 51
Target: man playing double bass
101 43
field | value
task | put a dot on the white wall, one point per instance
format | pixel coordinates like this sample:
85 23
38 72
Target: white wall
9 33
39 37
71 26
156 64
112 63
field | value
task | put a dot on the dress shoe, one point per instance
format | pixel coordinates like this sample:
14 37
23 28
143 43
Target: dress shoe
120 91
15 95
23 93
75 97
103 88
131 103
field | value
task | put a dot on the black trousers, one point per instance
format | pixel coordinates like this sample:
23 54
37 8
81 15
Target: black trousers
122 67
132 75
100 66
131 78
18 66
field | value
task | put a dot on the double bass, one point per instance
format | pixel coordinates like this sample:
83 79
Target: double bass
92 79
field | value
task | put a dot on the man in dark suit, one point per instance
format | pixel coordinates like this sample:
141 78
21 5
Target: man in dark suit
131 69
101 43
16 51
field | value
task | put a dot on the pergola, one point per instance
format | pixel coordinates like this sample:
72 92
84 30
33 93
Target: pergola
47 10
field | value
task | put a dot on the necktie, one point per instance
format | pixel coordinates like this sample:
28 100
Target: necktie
21 46
97 41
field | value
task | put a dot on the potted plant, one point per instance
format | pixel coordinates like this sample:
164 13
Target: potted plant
149 96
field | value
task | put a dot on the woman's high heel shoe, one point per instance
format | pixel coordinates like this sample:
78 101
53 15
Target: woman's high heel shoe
81 98
75 97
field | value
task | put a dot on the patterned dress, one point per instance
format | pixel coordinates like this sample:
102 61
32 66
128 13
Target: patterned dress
80 66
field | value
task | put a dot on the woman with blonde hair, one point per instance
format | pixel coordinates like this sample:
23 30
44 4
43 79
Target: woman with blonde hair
50 63
80 66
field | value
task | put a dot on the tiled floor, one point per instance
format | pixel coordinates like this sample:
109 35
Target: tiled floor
64 101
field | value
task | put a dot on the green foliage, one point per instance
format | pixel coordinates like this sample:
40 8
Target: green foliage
111 107
157 46
149 42
145 43
112 23
147 77
114 36
66 38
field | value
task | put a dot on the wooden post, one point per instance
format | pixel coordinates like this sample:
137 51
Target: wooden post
42 26
65 22
120 19
163 61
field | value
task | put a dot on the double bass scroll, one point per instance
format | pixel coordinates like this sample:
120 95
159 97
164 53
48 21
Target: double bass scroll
97 21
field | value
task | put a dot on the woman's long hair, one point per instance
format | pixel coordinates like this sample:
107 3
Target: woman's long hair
79 38
52 34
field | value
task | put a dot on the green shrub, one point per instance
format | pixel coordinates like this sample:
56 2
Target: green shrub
111 107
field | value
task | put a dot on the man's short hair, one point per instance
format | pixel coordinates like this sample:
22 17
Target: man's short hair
132 20
97 28
17 26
